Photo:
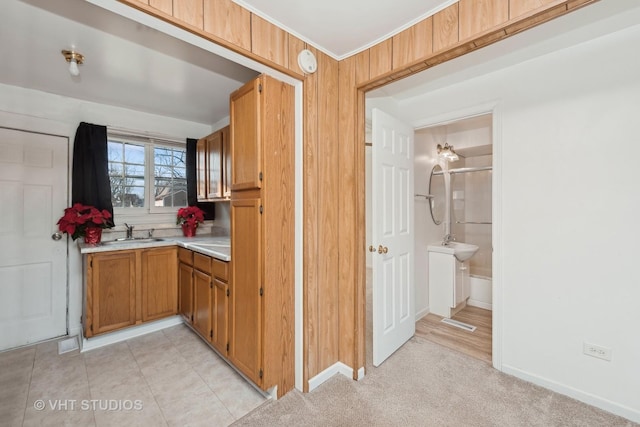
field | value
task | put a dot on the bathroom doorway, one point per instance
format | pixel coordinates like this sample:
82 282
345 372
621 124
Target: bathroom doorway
468 219
465 209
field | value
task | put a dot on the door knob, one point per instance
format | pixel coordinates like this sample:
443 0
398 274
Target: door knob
371 248
382 249
56 236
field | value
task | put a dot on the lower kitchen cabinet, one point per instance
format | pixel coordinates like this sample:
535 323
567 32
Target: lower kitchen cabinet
159 283
111 292
128 287
204 296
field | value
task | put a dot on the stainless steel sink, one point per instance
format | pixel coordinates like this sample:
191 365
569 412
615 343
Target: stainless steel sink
135 240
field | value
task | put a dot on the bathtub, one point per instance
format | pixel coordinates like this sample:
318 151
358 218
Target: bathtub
480 291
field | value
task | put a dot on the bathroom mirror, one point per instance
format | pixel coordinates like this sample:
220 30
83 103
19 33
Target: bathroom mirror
437 191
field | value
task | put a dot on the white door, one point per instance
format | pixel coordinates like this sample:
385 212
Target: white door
392 217
33 266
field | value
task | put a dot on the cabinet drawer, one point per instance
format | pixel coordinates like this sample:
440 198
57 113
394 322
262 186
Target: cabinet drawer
202 262
221 269
185 256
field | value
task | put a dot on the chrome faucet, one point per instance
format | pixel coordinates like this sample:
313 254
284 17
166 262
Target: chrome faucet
448 238
150 231
129 230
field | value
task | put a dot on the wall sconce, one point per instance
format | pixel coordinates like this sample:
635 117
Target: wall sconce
447 152
74 59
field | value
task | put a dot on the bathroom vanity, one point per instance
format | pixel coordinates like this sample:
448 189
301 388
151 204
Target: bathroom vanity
449 277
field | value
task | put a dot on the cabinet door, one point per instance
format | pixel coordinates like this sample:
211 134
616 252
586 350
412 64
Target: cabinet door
185 291
220 315
245 301
159 283
214 163
226 162
202 303
246 156
111 292
201 169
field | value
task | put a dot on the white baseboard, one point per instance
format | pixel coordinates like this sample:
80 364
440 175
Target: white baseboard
593 400
420 314
125 334
360 373
479 304
336 368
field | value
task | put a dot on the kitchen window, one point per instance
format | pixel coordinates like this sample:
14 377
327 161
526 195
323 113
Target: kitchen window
146 175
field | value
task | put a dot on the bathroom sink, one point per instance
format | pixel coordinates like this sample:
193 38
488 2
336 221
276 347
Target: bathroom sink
462 251
136 240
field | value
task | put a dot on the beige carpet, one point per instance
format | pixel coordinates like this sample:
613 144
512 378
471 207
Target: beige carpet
425 384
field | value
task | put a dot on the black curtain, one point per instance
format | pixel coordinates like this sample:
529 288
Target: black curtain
192 181
90 174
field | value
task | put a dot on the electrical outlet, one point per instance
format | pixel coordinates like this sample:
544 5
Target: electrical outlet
596 351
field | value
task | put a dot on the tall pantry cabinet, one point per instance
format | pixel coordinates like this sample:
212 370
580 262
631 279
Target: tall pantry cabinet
261 303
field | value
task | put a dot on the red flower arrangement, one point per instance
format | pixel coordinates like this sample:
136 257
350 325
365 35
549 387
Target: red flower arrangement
191 215
78 218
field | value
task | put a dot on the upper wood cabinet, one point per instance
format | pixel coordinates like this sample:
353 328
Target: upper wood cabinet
246 122
213 164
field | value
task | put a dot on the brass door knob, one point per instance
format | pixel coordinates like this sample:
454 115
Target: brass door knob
382 249
371 248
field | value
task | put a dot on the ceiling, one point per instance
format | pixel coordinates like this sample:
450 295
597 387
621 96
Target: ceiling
126 64
131 65
341 28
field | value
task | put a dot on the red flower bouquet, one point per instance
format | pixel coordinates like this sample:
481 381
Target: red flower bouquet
78 218
189 218
191 215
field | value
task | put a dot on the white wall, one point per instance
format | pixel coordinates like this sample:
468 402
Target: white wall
41 111
567 234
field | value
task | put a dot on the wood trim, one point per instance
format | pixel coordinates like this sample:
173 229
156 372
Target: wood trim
215 38
445 28
189 11
474 42
381 58
413 43
228 21
269 42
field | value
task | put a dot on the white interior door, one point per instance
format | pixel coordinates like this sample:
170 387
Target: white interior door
33 266
392 217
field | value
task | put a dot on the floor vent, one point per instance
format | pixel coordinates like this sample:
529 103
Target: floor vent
70 344
460 325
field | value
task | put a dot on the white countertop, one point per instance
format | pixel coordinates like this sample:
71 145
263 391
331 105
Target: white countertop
217 247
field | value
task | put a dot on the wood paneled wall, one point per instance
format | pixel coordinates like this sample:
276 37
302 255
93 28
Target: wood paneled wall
333 157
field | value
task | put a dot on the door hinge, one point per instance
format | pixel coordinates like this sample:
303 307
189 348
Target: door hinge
211 334
261 291
260 373
210 285
260 176
260 88
227 292
227 346
91 327
261 209
192 317
91 263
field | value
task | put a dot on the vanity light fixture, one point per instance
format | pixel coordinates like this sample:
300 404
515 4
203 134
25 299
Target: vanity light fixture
447 152
74 59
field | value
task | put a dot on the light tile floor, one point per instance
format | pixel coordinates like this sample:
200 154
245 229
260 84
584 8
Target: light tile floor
167 378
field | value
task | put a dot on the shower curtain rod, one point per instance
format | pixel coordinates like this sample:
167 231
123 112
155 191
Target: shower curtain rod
465 170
